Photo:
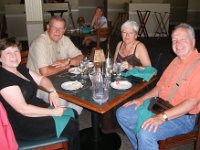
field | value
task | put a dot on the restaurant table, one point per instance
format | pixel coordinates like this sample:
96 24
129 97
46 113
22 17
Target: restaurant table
92 138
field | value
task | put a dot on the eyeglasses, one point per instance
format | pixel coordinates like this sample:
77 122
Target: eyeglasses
57 29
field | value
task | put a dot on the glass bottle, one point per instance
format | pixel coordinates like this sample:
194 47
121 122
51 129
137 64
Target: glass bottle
108 65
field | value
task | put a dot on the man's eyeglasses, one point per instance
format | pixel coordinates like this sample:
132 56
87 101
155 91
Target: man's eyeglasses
57 29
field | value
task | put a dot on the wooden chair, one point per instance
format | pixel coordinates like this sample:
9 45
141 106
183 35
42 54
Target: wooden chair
102 33
179 140
24 57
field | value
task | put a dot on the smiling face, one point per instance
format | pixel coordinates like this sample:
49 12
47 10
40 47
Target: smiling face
56 29
128 35
10 57
182 43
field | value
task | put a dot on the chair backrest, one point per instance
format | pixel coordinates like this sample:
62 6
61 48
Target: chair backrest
24 57
191 137
102 33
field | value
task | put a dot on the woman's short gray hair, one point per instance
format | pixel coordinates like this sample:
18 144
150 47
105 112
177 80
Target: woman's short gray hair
130 24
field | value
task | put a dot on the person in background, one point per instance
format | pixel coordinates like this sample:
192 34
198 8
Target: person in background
28 115
131 52
98 21
52 52
182 117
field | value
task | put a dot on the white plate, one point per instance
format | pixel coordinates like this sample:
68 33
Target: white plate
71 85
74 70
121 85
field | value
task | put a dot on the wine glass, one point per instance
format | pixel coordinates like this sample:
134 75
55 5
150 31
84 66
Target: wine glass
82 68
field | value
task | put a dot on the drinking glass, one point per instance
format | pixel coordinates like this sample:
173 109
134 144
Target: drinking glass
117 70
82 68
109 67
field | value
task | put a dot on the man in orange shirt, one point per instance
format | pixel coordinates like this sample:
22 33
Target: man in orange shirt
186 99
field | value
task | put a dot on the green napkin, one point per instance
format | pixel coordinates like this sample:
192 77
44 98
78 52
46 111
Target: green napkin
86 30
61 121
147 73
143 114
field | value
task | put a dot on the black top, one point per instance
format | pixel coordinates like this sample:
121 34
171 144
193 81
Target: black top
131 59
26 127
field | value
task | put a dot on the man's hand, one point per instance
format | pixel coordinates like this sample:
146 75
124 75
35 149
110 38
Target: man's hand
61 63
137 102
153 123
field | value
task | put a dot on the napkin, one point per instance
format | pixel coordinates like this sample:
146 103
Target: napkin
61 121
146 73
86 30
143 114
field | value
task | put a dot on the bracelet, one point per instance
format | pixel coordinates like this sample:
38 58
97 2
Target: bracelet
53 91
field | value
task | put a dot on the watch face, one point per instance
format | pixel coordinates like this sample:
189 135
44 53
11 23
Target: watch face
165 116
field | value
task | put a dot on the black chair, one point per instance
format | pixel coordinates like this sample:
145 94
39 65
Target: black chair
156 61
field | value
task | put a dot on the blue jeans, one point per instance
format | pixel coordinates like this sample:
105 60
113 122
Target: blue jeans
145 140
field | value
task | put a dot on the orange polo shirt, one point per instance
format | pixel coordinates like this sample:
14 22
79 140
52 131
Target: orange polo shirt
189 89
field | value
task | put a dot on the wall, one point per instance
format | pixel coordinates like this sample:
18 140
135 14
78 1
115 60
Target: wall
5 2
87 8
15 14
194 13
151 24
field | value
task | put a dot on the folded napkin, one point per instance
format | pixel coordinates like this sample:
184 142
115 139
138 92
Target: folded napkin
145 73
86 30
143 114
61 121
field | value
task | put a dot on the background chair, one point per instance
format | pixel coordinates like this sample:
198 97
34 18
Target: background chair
179 140
103 33
24 57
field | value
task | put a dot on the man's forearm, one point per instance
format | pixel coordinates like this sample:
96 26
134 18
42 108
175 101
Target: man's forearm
76 60
181 109
50 70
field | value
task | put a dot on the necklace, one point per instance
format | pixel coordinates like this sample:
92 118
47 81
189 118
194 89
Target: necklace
127 50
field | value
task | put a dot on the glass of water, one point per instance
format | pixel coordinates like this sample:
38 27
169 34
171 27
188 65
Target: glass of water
116 71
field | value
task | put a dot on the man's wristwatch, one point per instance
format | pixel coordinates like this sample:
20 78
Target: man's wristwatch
53 91
165 117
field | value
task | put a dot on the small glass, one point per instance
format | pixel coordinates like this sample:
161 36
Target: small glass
116 71
82 69
109 67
